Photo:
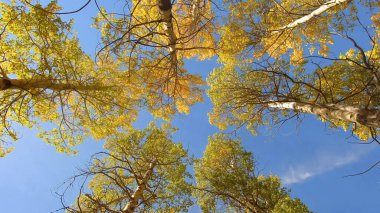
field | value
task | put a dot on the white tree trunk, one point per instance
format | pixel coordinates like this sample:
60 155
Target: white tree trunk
167 16
138 194
197 5
370 118
323 8
195 8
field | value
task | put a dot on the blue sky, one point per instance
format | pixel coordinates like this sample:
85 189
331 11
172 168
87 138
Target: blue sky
310 158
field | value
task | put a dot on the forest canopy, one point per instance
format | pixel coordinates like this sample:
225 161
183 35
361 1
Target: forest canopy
279 60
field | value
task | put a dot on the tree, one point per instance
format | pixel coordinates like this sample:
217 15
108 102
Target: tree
46 76
152 39
270 77
226 179
142 171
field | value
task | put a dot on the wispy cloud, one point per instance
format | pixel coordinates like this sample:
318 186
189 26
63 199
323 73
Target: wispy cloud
322 163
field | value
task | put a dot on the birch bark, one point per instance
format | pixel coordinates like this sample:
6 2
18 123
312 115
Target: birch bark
366 117
323 8
165 7
138 194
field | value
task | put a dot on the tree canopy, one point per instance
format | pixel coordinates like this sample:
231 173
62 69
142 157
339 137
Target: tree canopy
47 77
226 179
51 79
280 59
142 171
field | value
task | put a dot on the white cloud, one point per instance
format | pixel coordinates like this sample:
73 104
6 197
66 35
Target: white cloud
322 163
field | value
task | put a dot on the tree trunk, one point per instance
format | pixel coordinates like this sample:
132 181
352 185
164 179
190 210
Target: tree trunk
366 117
40 83
165 7
5 84
195 9
323 8
138 194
